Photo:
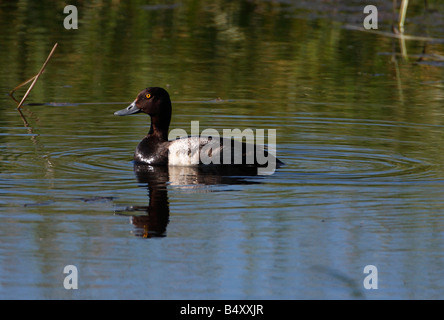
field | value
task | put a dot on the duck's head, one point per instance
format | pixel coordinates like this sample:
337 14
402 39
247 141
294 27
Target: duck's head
153 101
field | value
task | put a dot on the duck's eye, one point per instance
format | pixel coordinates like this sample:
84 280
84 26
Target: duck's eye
148 95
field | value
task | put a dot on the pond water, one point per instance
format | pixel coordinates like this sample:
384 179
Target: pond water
359 119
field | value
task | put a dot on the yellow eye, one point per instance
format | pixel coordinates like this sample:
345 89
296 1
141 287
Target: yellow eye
148 95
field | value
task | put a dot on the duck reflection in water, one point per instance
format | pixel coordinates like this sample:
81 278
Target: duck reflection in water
152 220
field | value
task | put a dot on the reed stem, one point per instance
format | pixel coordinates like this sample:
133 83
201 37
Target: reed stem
35 78
402 14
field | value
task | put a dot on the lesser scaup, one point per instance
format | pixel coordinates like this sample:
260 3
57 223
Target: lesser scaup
155 149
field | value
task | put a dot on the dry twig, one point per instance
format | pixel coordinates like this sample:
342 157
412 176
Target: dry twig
33 79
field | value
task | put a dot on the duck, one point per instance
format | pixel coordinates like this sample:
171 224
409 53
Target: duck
156 149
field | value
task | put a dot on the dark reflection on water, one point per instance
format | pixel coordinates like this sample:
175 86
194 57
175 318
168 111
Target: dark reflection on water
152 220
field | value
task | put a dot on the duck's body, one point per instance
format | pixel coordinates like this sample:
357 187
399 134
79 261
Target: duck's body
180 152
156 149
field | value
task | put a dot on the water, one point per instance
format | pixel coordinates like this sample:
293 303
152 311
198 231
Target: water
359 126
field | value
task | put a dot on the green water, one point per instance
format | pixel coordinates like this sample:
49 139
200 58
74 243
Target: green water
359 120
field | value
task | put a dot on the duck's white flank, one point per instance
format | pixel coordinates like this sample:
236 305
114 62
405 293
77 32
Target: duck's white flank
193 150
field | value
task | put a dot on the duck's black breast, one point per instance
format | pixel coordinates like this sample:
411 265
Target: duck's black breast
152 151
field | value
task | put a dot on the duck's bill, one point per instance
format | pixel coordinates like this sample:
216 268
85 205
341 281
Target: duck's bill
131 109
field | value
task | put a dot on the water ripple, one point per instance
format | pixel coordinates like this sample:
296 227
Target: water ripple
336 150
335 162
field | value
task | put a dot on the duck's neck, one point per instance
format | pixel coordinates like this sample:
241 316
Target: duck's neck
158 129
